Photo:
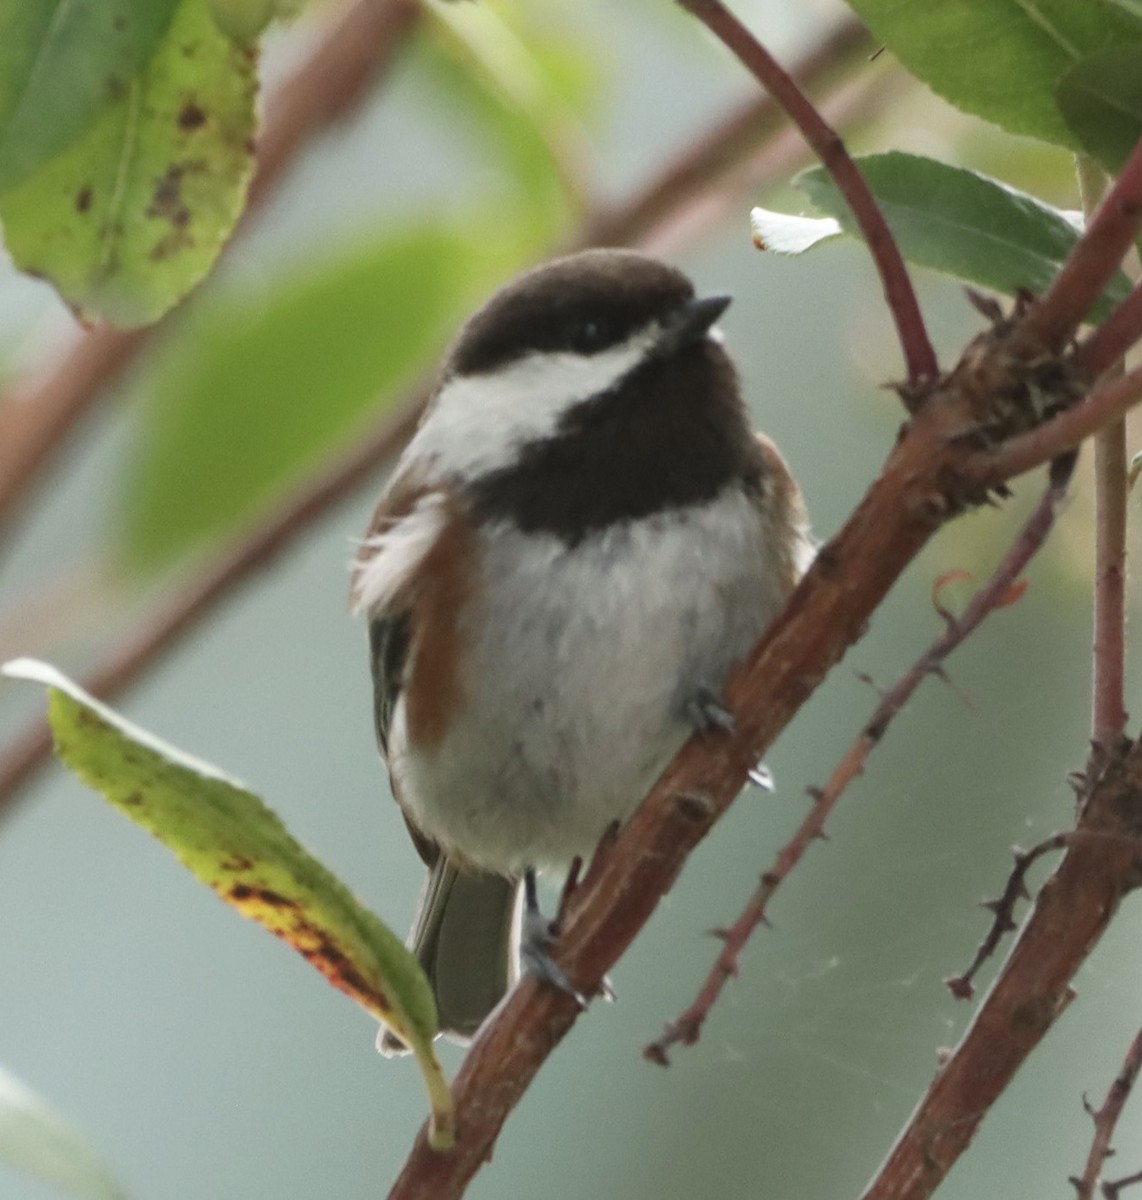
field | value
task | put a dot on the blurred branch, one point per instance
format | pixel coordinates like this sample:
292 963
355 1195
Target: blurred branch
996 593
918 353
1106 1121
37 416
177 616
180 615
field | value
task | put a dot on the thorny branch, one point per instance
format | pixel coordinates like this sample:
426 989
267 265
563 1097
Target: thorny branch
1002 909
1105 1121
993 595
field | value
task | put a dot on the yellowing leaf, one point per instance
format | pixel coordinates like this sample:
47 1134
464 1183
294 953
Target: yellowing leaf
230 840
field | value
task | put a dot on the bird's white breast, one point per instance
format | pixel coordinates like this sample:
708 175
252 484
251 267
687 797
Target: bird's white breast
580 661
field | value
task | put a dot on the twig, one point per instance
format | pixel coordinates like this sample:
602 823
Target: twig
1090 266
176 617
1003 912
994 594
1111 1188
1106 1121
918 352
1108 686
1114 337
36 417
1062 433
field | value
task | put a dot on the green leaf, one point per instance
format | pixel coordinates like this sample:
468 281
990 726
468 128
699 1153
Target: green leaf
37 1141
262 384
1000 59
125 220
233 843
1101 99
61 65
953 220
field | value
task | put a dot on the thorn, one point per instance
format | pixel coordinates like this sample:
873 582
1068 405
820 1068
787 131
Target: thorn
960 987
986 306
655 1052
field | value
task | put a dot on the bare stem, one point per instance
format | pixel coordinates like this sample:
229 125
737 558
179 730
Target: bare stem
1114 337
1091 264
1108 687
919 355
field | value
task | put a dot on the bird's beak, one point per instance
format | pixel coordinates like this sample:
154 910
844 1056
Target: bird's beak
690 323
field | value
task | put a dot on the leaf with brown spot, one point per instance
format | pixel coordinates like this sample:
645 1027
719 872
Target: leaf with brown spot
127 216
229 839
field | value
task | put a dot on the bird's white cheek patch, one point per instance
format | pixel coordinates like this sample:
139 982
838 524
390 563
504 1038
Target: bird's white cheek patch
478 422
388 560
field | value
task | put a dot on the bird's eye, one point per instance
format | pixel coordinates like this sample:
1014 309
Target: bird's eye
589 336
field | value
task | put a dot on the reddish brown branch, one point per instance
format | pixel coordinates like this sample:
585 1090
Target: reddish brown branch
1108 683
994 594
1114 337
915 343
1090 267
37 416
1106 1121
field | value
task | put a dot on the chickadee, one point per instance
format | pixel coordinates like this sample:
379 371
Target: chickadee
581 541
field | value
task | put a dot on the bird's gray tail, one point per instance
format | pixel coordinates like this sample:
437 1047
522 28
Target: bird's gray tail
463 938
